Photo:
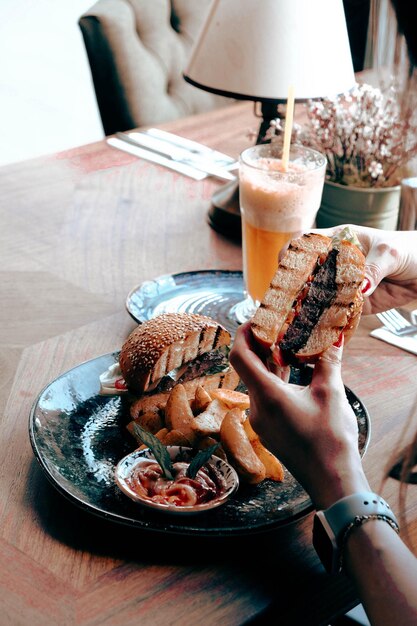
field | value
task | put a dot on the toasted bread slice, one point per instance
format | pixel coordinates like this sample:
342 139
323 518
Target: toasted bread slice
344 312
293 272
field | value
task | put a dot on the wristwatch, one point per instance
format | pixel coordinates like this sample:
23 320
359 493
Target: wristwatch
331 526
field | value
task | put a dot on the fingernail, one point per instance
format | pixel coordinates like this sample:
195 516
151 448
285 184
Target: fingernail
339 342
366 285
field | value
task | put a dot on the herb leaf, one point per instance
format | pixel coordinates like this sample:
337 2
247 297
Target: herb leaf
160 452
200 458
346 234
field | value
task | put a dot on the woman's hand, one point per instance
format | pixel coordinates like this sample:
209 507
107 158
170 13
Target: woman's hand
391 265
313 430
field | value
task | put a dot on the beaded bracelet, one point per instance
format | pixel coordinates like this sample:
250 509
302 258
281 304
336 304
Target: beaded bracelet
358 521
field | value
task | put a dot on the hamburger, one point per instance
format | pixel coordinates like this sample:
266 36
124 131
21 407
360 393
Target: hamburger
314 297
174 348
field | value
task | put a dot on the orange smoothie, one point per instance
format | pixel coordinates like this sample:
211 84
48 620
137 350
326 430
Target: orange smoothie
275 206
261 257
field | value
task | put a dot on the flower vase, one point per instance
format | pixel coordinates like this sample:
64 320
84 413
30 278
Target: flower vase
365 206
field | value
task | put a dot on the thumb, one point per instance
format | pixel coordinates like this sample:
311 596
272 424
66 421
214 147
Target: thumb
328 369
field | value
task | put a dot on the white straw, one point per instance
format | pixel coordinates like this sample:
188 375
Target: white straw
288 128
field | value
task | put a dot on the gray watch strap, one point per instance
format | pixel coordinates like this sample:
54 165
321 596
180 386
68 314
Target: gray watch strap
344 511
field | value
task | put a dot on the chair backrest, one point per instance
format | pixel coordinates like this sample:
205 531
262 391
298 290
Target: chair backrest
137 50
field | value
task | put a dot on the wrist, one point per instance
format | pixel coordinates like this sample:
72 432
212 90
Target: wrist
338 483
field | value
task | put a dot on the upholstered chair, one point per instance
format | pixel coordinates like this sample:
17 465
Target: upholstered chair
137 50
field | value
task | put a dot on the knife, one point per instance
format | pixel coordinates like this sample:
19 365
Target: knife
176 154
198 149
187 170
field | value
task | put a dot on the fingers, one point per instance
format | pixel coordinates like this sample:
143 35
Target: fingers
382 260
243 357
366 286
282 371
248 364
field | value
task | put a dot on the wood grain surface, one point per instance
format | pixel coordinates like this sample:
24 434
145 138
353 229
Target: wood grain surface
78 231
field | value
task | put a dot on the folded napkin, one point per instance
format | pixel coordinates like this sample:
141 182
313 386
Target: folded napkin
407 342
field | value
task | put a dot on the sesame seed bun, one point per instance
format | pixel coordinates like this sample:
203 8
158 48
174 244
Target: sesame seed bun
167 342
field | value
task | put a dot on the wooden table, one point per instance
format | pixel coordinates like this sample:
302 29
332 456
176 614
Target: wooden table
79 229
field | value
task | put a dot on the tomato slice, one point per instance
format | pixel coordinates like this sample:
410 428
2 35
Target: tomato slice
278 357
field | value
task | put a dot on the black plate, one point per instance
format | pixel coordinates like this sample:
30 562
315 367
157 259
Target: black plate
78 437
207 292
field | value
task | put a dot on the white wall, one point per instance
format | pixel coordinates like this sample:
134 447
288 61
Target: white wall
47 100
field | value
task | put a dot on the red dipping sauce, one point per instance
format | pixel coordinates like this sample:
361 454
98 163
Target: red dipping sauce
147 481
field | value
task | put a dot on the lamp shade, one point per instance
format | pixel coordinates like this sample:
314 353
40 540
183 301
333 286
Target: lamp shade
256 49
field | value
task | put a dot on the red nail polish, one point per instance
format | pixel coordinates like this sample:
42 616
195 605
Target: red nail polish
366 285
339 342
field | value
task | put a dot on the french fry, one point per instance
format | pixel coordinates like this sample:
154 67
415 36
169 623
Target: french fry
232 398
207 442
176 438
208 422
201 400
251 434
150 421
273 467
178 413
153 403
238 448
161 434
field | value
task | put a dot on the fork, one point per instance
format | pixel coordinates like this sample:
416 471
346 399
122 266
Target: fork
396 323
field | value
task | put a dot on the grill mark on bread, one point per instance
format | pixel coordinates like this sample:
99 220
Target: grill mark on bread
201 340
266 306
216 337
341 305
352 283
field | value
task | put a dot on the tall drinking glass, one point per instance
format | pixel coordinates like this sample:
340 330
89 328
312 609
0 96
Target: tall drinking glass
275 206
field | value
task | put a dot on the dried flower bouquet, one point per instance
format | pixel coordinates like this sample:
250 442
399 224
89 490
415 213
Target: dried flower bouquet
365 134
